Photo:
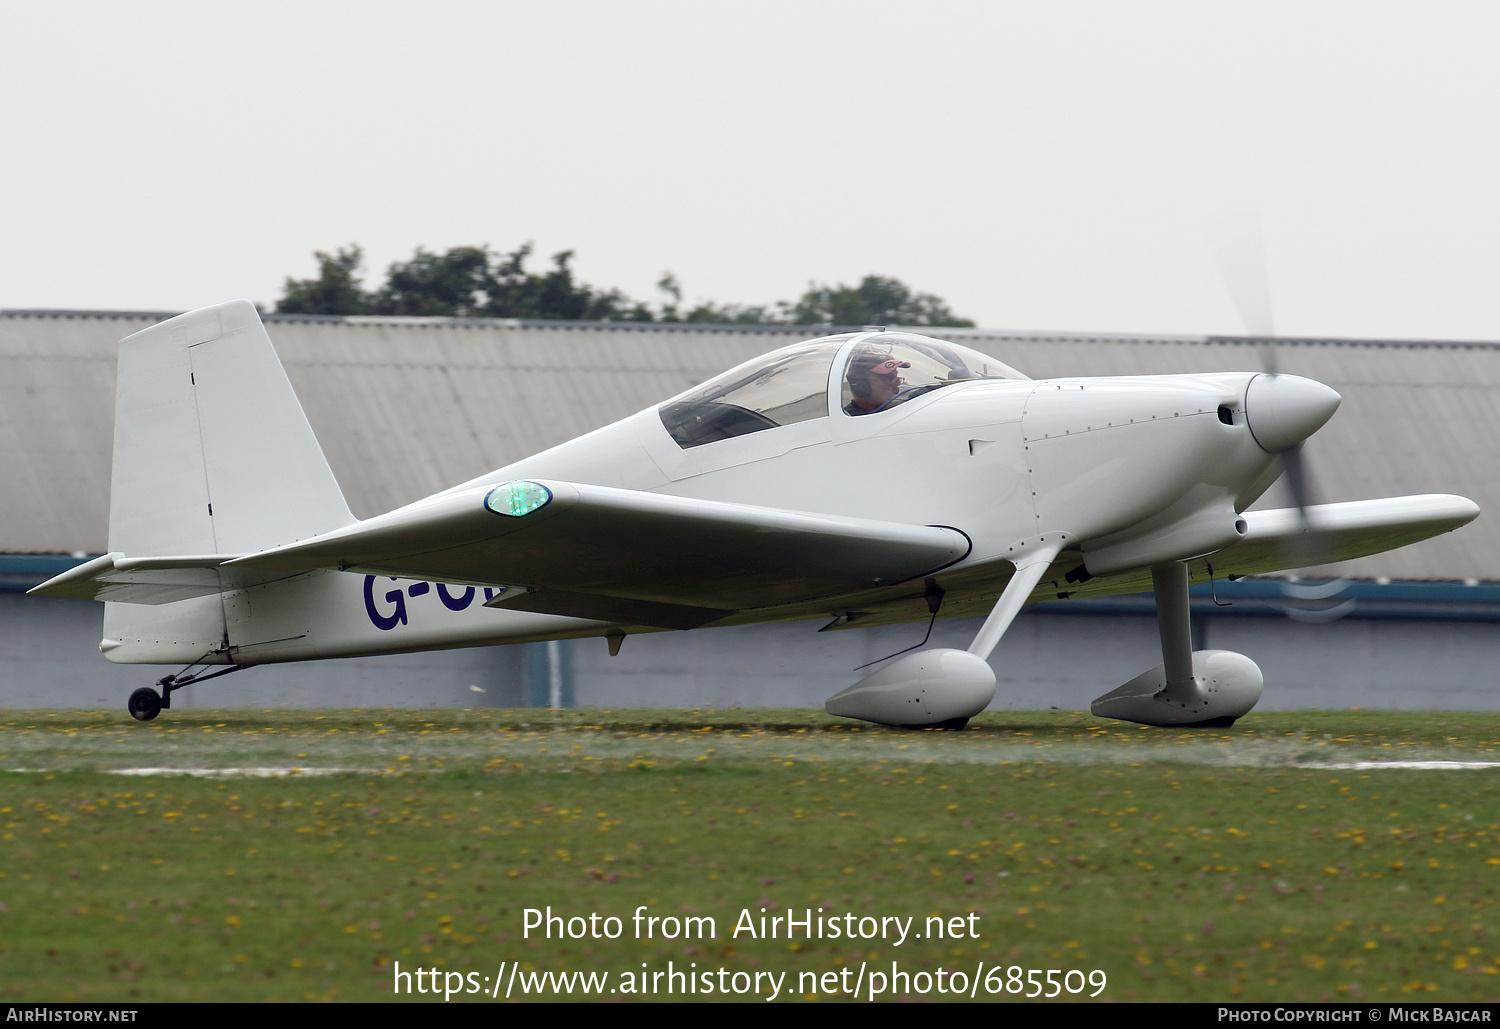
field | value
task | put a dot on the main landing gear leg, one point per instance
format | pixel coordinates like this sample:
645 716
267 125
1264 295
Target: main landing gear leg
1169 582
1029 571
145 703
1204 688
942 688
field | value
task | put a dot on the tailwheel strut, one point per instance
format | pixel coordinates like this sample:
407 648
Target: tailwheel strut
145 703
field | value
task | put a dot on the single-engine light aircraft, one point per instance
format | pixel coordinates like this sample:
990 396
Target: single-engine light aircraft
864 478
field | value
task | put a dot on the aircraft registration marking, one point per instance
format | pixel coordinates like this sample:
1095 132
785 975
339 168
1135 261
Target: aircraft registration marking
398 613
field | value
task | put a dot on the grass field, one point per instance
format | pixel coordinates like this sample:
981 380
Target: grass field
1258 862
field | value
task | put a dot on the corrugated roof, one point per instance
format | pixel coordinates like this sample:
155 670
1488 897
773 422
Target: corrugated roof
407 406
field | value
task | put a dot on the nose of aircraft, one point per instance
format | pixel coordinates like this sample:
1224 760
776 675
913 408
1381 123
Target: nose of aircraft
1283 410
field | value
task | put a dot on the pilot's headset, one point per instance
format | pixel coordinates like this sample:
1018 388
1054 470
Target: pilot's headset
858 375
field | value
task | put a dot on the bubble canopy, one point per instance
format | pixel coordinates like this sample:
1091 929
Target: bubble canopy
791 384
785 386
889 368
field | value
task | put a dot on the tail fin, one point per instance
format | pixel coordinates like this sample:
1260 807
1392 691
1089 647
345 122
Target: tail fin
213 454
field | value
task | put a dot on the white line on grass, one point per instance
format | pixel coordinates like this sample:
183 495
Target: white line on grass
1431 766
237 773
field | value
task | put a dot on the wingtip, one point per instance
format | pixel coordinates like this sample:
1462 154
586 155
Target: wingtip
1466 508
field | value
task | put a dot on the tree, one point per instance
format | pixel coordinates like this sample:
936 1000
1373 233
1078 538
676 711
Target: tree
875 301
336 290
464 282
455 284
558 296
475 282
707 312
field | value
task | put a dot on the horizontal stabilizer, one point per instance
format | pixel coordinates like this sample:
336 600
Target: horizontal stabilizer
151 580
598 541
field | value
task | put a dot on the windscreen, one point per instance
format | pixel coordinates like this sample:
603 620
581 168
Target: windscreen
789 385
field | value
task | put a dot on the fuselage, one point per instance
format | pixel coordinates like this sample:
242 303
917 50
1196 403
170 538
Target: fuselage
1002 459
1137 470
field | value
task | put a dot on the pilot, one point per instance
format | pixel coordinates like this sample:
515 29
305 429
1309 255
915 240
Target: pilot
875 380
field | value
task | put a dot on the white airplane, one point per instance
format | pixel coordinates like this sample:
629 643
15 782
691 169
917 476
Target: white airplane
868 478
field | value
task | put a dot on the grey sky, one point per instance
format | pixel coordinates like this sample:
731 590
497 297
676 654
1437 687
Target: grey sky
1039 165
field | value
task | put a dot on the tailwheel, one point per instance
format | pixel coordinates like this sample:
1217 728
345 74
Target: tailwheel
144 704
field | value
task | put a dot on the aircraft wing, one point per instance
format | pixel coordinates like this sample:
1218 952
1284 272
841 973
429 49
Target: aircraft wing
1282 538
1275 540
624 555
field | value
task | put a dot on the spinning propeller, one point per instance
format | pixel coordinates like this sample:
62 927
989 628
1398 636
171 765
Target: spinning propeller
1282 410
1239 249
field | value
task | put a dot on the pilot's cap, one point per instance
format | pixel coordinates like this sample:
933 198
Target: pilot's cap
867 361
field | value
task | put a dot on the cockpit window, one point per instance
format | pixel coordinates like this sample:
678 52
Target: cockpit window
887 370
790 385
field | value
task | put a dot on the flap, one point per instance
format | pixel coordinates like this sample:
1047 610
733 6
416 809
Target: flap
599 608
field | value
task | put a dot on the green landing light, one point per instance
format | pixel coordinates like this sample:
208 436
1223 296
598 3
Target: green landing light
515 499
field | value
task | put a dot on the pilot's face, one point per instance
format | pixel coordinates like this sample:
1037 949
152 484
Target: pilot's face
885 378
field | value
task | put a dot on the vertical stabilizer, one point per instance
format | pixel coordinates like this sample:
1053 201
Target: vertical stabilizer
213 454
